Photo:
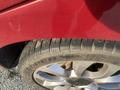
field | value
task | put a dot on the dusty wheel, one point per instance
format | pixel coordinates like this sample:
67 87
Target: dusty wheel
72 64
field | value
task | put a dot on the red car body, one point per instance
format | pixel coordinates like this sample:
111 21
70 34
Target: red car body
22 20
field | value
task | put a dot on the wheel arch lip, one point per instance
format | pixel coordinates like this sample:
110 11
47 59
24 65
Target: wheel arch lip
4 4
59 19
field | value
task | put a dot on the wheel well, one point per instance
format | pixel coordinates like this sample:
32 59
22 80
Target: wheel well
9 54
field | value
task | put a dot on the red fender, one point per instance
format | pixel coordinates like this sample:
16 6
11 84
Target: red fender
34 19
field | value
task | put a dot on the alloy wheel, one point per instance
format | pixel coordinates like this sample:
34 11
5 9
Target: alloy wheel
78 75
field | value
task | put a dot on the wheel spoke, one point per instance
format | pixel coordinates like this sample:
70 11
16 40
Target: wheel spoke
110 86
80 67
109 83
88 87
45 76
56 70
62 88
81 87
104 72
73 74
51 84
73 88
113 79
93 87
110 70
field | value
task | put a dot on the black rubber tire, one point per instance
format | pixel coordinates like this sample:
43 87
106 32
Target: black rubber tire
41 52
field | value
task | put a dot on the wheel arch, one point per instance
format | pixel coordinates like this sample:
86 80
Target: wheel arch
9 54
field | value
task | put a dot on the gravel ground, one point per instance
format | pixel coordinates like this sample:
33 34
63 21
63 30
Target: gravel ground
13 82
10 81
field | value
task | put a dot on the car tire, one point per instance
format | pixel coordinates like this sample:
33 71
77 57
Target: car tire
38 53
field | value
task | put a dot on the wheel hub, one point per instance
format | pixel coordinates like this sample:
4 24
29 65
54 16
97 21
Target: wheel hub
77 76
79 82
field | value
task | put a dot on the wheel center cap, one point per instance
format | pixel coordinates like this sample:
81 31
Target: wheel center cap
78 82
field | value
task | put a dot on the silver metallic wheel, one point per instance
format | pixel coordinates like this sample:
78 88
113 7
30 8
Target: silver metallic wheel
78 75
